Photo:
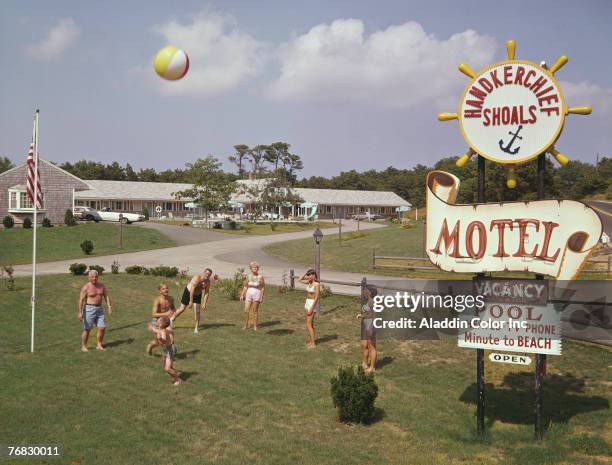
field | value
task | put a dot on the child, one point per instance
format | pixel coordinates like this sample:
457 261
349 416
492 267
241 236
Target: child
165 338
163 305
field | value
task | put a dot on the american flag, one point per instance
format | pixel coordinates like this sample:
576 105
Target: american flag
31 178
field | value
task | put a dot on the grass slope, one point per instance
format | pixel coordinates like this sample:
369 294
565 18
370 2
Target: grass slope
264 398
62 242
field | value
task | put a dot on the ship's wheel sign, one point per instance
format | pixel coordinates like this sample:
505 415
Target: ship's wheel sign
512 111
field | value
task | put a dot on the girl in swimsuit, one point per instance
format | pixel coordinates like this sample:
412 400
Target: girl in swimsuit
311 306
252 295
368 332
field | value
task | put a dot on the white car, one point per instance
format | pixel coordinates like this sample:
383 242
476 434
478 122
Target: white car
107 215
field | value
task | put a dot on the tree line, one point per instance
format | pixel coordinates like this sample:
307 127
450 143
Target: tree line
577 180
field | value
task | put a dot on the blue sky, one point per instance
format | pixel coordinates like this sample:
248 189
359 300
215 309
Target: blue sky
351 85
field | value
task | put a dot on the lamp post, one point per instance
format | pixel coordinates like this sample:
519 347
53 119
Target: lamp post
121 230
318 237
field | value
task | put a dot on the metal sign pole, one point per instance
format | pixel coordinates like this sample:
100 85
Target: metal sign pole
480 378
540 365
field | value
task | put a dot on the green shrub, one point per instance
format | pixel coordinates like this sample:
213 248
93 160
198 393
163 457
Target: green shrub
69 218
78 269
87 247
9 281
166 271
217 225
145 212
98 268
354 395
135 269
232 287
325 291
27 223
115 267
8 222
46 223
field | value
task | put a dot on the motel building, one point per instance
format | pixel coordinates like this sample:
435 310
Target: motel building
62 190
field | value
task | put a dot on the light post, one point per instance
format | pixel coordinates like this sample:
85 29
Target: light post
121 230
318 237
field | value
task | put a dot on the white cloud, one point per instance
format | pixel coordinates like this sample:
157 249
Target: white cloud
583 93
58 40
221 56
399 66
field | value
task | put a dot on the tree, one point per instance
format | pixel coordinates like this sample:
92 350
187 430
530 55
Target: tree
211 187
130 174
5 164
242 152
256 154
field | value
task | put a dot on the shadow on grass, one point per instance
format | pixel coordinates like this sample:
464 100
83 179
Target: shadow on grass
280 332
269 323
188 354
383 362
324 339
332 310
185 375
118 343
512 402
131 325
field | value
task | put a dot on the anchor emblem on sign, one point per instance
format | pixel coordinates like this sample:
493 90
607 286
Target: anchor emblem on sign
507 148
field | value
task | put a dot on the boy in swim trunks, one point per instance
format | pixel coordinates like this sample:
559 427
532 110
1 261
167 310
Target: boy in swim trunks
196 295
163 305
165 338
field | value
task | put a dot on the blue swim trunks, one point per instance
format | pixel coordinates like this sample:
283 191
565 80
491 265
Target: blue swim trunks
93 315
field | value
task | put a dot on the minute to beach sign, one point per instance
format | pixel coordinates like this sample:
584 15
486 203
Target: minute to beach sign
512 111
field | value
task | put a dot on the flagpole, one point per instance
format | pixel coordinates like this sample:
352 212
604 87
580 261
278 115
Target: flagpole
35 140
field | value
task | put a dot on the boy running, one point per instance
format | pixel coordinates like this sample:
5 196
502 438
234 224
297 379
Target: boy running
163 305
165 338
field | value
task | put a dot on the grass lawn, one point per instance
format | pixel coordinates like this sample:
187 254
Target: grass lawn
62 242
263 398
354 254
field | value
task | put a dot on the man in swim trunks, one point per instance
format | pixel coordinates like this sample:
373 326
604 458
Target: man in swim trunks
163 305
90 309
196 295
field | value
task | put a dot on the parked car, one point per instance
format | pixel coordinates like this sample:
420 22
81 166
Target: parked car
86 214
107 215
368 216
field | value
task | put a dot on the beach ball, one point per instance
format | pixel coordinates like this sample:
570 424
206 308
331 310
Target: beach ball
171 63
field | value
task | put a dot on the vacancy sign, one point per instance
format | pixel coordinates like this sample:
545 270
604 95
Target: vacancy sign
516 318
551 237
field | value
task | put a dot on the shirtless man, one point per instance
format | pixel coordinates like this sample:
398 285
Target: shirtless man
90 309
163 305
196 295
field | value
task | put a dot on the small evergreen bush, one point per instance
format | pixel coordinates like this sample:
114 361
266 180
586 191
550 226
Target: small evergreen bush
87 247
145 212
69 218
46 223
166 271
8 222
325 291
354 394
135 269
78 269
232 287
27 223
115 267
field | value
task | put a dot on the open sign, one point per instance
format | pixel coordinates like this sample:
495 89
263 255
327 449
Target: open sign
510 358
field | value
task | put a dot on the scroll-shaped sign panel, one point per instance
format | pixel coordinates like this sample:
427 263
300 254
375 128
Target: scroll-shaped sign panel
552 237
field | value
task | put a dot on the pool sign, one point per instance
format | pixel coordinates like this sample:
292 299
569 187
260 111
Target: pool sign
512 111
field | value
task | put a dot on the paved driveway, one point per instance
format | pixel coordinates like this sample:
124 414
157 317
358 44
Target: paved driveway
224 253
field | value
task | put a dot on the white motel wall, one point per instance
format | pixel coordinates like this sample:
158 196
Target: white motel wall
63 190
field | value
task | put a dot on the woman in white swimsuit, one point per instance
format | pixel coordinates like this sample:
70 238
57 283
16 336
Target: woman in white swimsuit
311 306
252 295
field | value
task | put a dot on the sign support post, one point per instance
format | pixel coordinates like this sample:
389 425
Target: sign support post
540 365
480 377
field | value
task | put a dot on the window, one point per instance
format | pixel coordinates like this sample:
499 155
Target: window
19 201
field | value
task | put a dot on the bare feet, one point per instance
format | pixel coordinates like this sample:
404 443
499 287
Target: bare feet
311 346
244 328
150 349
196 330
177 382
84 349
254 328
99 347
